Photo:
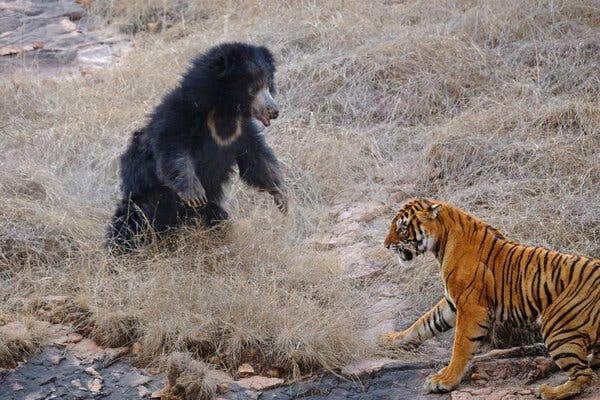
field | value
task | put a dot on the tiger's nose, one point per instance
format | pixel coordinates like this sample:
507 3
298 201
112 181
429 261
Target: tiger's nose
387 245
274 113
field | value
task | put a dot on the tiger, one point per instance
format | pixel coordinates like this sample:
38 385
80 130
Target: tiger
489 278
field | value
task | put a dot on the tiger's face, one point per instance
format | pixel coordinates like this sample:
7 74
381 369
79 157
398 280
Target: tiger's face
412 230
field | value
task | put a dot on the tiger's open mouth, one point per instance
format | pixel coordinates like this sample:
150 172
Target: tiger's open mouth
403 253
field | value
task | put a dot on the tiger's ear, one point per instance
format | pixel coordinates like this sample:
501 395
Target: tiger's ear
435 209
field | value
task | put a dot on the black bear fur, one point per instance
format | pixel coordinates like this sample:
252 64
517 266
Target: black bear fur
174 168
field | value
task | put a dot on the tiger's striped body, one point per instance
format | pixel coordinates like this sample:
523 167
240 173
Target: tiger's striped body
489 278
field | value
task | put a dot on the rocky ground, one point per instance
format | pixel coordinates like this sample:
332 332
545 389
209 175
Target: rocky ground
73 367
57 36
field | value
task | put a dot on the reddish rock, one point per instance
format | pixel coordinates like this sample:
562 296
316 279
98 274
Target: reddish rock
95 385
245 370
260 382
86 350
66 340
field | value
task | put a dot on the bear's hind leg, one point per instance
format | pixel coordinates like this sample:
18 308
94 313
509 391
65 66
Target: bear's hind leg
126 229
140 220
212 214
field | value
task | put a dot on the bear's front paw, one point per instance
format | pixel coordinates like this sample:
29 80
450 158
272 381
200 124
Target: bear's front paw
281 200
194 195
438 383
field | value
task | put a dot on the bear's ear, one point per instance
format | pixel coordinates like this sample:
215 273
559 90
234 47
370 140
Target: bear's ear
267 55
268 58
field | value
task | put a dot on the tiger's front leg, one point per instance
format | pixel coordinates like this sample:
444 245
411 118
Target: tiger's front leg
437 320
471 329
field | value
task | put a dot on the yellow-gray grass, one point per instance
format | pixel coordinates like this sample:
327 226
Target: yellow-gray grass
491 105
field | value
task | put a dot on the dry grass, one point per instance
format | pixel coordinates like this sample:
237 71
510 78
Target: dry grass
489 105
187 379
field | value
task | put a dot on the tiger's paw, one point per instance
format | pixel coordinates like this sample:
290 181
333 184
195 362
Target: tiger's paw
395 340
544 392
564 391
438 383
389 337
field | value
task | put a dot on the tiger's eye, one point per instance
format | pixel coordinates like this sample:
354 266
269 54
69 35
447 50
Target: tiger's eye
400 227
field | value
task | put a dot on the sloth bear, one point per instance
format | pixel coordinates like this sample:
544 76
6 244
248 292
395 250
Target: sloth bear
174 168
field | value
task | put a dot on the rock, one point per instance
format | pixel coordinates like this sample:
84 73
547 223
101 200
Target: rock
245 370
77 384
260 382
100 56
157 394
143 391
16 387
366 366
8 51
92 371
71 338
52 34
21 7
56 359
134 378
86 350
95 385
64 26
39 395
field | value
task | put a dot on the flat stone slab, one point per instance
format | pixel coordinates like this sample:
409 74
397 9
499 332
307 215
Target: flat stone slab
41 34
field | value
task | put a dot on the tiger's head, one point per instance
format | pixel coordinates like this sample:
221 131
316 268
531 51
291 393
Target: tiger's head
413 230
